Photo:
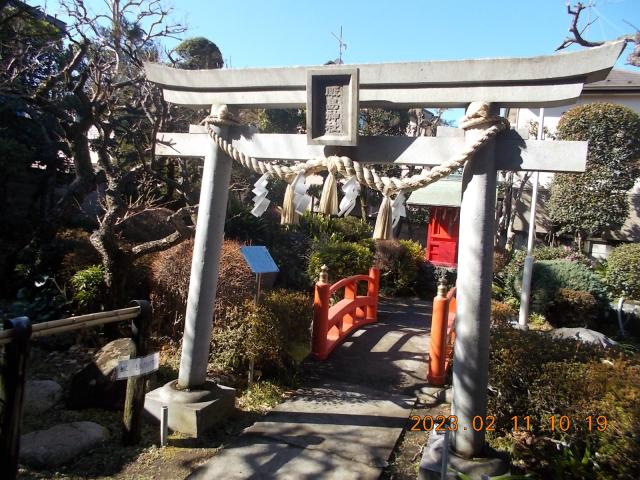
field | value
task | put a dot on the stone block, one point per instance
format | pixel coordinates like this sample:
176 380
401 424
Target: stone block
41 396
475 468
60 444
192 412
332 107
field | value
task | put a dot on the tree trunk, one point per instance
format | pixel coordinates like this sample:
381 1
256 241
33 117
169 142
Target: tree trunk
511 234
504 212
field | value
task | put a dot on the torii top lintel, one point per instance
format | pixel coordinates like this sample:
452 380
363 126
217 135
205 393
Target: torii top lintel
506 82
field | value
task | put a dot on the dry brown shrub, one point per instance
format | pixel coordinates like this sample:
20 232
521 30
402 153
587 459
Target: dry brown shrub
170 271
501 313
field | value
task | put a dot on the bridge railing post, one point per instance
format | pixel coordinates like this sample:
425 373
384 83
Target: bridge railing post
439 323
321 314
373 289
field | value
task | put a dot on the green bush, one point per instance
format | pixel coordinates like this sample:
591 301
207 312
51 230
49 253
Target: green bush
549 276
574 276
290 250
343 259
400 263
623 271
533 374
510 275
351 229
573 308
275 334
88 288
321 228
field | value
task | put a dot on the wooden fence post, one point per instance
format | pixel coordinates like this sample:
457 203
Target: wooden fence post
439 322
134 401
12 379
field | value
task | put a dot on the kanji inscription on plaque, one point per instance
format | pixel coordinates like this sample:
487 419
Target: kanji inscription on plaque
332 106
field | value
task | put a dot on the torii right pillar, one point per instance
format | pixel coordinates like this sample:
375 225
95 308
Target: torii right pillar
473 315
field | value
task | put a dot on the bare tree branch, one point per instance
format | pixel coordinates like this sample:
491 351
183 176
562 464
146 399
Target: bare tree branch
575 31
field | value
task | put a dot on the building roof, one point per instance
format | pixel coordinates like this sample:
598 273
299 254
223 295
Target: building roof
444 193
617 80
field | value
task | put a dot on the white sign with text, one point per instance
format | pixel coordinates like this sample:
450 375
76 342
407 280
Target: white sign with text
135 367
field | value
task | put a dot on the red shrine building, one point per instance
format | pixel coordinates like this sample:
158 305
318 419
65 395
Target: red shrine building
443 199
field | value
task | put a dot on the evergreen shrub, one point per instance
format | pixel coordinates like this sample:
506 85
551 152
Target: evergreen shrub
343 259
623 271
88 288
536 375
573 308
276 333
510 275
400 263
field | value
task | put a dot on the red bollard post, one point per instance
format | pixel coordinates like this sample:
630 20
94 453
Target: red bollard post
321 315
439 322
372 292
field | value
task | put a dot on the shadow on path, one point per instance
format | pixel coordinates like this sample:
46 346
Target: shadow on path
344 423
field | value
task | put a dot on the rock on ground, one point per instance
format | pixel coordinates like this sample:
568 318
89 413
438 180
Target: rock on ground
96 385
584 335
60 444
41 396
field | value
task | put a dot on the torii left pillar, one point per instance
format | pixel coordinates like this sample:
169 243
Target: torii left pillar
196 404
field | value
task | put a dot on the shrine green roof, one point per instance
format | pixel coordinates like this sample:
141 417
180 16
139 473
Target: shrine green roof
444 193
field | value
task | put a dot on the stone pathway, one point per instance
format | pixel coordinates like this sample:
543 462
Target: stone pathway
346 421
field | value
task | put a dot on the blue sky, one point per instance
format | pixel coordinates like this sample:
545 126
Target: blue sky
254 33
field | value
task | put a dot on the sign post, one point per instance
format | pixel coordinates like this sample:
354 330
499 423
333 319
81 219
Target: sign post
260 261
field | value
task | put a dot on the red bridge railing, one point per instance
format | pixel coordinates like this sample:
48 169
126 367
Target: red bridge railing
333 323
443 335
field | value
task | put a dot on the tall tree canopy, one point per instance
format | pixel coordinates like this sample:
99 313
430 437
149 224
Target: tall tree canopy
199 53
596 201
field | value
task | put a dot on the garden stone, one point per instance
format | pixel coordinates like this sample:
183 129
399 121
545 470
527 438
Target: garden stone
60 444
41 396
584 335
96 385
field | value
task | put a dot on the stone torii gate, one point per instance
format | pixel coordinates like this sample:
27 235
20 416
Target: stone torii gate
332 96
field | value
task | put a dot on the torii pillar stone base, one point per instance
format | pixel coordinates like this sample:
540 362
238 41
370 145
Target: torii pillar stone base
195 403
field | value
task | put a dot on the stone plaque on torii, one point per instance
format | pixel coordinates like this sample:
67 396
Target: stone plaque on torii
332 96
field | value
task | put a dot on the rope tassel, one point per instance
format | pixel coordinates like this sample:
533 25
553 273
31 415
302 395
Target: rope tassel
329 198
289 215
384 229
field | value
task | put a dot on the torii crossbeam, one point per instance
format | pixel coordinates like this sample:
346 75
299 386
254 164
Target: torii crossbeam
333 95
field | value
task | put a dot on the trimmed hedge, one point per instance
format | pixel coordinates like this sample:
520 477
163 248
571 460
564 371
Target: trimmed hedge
343 259
573 308
623 271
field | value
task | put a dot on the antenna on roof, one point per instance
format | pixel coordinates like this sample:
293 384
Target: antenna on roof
341 46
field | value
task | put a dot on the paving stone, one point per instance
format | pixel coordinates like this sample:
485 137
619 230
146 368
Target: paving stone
346 421
260 458
352 421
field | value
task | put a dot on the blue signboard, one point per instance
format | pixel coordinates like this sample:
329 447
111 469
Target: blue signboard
259 259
